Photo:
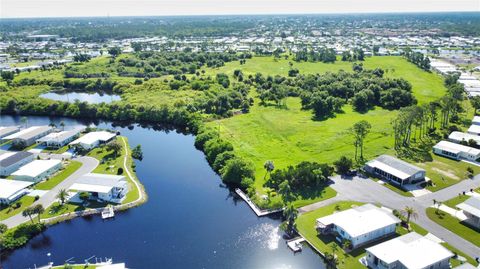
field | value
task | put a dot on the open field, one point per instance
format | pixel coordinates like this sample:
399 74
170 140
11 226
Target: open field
59 177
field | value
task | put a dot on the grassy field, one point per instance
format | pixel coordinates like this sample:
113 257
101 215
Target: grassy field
454 225
7 212
59 177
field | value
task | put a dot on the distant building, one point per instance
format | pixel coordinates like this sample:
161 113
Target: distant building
60 139
409 251
37 170
474 129
395 170
93 139
459 137
12 190
11 161
6 131
471 209
456 151
360 225
27 137
110 188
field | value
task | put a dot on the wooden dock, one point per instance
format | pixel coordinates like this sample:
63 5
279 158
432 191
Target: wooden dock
259 212
108 212
295 244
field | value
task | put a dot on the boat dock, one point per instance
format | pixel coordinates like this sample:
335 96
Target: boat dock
296 244
259 212
108 212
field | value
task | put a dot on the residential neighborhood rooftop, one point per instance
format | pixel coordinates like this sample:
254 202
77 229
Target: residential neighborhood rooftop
12 157
60 136
394 166
5 131
36 168
101 183
29 132
92 137
456 148
412 250
472 205
9 187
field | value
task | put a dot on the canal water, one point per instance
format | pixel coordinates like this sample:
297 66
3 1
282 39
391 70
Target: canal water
91 98
190 220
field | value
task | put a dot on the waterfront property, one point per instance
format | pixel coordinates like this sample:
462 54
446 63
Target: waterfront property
471 209
108 188
459 137
93 139
395 170
37 170
12 161
6 131
456 151
12 190
359 225
27 137
60 139
409 251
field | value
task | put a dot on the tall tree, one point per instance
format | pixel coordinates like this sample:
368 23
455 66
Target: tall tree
360 130
290 213
62 195
38 210
268 165
409 212
28 212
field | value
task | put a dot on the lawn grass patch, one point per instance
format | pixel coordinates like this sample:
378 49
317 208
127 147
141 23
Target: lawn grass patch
454 225
57 209
59 177
9 211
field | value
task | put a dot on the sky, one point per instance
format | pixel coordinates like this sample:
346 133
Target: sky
93 8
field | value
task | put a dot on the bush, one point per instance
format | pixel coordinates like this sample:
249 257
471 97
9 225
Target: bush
236 170
119 171
20 235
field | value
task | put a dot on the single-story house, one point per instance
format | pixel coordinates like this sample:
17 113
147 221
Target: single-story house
409 251
37 170
395 170
459 137
93 139
6 131
12 190
360 225
471 209
109 188
12 161
474 129
60 139
476 120
456 151
27 137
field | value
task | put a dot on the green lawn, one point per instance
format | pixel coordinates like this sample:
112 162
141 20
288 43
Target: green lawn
7 212
454 225
289 136
57 209
457 200
59 177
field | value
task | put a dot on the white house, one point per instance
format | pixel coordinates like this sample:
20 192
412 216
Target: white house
459 137
109 188
409 251
476 120
11 161
60 139
360 225
6 131
37 170
395 170
474 129
27 137
93 139
456 151
12 190
471 209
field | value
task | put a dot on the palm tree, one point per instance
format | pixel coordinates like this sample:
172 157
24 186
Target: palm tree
409 212
3 228
62 124
39 210
24 121
290 213
268 165
62 195
27 212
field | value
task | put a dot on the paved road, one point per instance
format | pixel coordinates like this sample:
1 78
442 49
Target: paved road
88 164
369 191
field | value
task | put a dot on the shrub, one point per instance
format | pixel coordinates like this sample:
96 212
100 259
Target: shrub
236 170
19 236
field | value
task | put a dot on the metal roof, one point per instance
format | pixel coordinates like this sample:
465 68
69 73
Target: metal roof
397 164
14 158
472 206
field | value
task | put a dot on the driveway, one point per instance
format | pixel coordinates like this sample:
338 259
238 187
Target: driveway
88 164
369 191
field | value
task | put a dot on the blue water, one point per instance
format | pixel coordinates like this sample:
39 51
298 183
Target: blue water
189 221
91 98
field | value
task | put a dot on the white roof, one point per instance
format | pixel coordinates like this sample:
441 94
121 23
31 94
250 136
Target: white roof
8 130
476 120
9 187
474 129
91 188
93 137
412 250
360 220
472 206
389 169
456 148
36 168
101 183
29 132
60 136
459 136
